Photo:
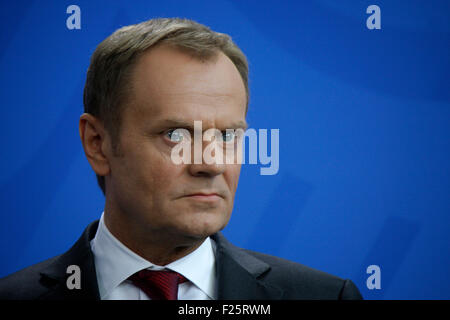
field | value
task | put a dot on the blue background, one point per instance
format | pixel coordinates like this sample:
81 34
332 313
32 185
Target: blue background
364 118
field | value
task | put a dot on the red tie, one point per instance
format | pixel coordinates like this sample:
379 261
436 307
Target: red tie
158 285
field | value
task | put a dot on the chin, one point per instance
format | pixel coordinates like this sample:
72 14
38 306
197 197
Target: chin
205 225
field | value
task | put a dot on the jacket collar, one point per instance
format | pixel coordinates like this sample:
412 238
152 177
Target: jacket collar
239 274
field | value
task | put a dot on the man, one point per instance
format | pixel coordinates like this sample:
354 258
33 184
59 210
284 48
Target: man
159 235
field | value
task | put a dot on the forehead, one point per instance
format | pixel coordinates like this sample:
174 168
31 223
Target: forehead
170 83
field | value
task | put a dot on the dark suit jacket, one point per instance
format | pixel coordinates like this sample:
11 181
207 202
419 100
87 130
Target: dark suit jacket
242 274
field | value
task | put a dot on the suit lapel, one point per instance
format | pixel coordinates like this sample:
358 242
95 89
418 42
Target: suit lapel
55 277
239 274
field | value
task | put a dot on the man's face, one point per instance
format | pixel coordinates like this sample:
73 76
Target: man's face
146 186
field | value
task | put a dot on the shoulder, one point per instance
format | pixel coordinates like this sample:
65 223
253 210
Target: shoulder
301 281
294 280
47 279
26 284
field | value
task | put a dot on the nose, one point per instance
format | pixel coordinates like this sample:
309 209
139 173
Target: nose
207 168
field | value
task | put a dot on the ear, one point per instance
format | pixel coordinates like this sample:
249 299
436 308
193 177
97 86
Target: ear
96 143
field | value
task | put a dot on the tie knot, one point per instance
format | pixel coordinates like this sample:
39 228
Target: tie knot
158 285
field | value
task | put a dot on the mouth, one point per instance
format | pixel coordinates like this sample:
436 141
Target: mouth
204 196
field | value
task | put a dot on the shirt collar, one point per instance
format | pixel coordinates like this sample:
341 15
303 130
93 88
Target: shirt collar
115 263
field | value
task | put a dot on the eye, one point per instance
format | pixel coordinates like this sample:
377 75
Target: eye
228 136
176 135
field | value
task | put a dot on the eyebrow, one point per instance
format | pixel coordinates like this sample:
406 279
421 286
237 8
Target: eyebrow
179 123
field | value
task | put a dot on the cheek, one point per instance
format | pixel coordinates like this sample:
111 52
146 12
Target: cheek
141 169
156 173
232 177
159 175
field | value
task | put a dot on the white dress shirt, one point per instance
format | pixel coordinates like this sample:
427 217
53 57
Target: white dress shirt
114 263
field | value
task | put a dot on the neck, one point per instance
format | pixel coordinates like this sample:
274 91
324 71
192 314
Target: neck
156 246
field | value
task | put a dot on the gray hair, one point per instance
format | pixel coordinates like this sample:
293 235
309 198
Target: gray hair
108 78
